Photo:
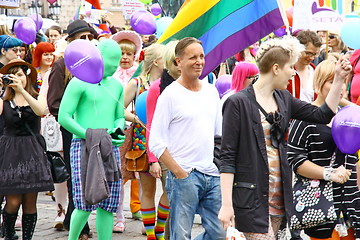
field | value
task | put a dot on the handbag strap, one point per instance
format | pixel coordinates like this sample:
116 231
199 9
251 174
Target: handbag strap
138 83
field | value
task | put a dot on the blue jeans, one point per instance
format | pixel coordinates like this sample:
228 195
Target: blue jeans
198 193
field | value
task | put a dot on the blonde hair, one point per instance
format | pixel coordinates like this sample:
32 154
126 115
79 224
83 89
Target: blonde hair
4 30
341 45
278 51
169 53
324 72
127 45
151 53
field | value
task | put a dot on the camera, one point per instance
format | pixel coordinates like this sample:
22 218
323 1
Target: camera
6 79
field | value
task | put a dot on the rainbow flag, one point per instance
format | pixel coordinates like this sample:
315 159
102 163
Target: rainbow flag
225 27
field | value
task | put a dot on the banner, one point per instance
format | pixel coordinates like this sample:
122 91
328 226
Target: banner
320 15
131 6
9 3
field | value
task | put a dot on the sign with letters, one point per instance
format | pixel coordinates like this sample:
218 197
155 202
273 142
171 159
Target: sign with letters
320 14
9 3
131 6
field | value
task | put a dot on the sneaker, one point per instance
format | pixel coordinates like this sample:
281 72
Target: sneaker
137 215
18 224
59 225
119 227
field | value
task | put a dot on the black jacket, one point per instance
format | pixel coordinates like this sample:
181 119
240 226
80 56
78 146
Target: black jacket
243 152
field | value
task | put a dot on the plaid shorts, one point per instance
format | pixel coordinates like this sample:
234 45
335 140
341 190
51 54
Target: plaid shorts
110 204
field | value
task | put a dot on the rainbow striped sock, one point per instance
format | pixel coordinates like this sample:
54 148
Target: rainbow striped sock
148 216
162 214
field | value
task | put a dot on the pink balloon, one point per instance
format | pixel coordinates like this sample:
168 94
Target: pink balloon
25 30
84 61
155 9
37 20
223 84
346 129
143 22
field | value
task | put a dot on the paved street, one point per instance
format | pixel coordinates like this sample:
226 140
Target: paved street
47 211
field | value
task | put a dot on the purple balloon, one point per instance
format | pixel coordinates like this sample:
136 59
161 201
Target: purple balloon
84 61
25 30
155 9
280 32
37 20
143 22
223 84
346 129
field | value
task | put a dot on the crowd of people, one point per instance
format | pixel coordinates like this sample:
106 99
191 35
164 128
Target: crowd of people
274 125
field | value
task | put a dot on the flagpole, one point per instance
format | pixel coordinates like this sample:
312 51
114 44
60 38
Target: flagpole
283 15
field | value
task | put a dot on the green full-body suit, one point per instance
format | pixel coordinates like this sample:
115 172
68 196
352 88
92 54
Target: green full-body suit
86 105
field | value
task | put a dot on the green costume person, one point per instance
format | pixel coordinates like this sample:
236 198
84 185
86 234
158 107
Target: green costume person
94 106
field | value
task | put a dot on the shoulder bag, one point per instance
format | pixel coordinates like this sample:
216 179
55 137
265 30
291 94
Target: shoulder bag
313 203
136 161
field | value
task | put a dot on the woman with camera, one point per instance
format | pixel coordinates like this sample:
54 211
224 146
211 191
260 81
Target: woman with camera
24 169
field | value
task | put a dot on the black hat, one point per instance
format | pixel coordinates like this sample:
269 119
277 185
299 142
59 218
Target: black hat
76 27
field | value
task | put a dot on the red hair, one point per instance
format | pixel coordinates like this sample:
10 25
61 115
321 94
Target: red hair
241 71
42 47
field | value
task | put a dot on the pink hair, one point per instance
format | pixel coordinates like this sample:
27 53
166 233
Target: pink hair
241 71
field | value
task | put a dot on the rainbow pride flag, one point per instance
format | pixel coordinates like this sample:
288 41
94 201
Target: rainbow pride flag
225 27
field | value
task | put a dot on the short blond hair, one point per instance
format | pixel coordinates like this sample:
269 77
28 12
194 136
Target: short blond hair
324 72
278 51
127 45
169 53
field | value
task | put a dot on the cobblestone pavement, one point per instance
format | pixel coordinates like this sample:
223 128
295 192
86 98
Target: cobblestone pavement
47 210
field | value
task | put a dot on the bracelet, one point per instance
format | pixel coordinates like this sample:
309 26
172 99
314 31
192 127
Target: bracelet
327 172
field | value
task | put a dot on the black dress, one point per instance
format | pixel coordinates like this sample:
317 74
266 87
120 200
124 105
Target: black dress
24 167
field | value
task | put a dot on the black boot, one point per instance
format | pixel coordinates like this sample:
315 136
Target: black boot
28 225
9 225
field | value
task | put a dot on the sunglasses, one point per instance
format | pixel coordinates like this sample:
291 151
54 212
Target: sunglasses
332 36
87 36
251 77
16 50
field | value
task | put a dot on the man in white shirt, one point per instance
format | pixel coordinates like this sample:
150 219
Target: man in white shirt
302 85
186 119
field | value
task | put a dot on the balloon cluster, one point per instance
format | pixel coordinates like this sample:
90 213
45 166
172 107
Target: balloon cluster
143 22
139 141
26 28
